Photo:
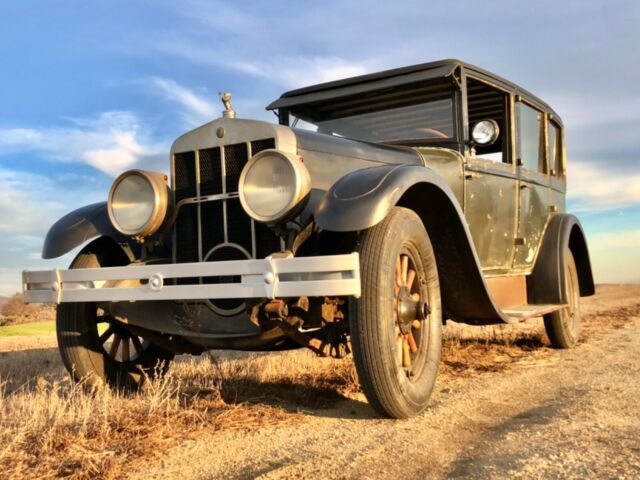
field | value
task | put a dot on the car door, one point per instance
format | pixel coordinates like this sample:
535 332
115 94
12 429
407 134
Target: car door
491 185
533 183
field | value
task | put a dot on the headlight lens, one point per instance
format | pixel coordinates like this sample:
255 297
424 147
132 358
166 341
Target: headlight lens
272 185
485 132
138 202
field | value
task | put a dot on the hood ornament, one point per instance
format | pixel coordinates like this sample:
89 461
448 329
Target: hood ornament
229 112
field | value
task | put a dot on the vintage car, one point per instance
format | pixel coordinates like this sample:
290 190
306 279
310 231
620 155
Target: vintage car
377 208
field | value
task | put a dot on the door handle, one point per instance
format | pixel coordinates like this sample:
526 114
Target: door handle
471 175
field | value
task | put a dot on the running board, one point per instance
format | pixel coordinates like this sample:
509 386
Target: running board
523 312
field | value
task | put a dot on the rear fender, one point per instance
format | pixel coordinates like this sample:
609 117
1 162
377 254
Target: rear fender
563 233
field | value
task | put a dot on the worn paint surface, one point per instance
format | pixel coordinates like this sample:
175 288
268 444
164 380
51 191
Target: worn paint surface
491 210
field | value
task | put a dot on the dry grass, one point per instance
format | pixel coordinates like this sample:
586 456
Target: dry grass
50 428
471 350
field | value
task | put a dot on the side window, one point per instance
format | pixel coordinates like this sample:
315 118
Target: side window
554 153
530 137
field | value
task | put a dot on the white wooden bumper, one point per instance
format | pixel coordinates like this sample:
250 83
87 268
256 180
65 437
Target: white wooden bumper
331 275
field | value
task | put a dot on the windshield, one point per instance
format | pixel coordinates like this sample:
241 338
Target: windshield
426 121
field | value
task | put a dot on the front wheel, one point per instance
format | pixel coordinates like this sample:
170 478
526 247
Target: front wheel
95 347
396 325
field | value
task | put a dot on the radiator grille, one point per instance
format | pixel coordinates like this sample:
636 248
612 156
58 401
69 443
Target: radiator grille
236 156
210 172
202 227
185 174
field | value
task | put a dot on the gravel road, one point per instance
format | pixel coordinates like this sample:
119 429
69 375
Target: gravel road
561 414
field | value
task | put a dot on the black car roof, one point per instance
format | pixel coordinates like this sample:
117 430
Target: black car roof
395 77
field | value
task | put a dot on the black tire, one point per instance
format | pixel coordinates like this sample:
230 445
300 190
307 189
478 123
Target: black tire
86 353
397 380
563 326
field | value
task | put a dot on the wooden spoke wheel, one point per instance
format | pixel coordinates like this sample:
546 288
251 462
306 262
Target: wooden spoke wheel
396 324
410 311
97 349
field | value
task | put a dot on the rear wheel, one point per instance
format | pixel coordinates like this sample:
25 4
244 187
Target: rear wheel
96 348
396 324
563 326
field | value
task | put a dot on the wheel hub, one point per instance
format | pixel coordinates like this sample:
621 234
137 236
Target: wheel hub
409 309
406 309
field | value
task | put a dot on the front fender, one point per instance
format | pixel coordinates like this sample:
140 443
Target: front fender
77 227
363 198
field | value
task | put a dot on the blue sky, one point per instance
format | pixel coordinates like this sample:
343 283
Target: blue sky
89 89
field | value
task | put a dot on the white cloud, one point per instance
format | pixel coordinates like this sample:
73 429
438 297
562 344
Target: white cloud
17 138
109 141
614 240
615 256
9 281
288 71
595 188
217 15
30 203
196 110
604 110
299 71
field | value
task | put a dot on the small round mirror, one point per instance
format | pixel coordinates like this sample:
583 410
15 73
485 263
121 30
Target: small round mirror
485 132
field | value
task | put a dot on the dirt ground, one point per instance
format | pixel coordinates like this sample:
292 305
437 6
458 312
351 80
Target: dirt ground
523 412
568 414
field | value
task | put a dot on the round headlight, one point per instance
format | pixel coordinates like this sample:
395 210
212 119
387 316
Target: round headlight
138 203
272 185
485 132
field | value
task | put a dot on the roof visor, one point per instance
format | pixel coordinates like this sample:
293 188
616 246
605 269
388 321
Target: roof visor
362 84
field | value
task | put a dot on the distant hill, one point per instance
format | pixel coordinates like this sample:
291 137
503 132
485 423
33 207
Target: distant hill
13 311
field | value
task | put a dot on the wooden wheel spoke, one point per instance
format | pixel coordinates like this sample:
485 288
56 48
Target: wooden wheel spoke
105 336
412 343
104 319
137 345
411 276
125 350
405 269
115 343
406 354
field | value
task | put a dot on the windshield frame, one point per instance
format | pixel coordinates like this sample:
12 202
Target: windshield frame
287 117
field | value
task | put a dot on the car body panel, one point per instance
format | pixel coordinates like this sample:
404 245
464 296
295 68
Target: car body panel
490 206
533 216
